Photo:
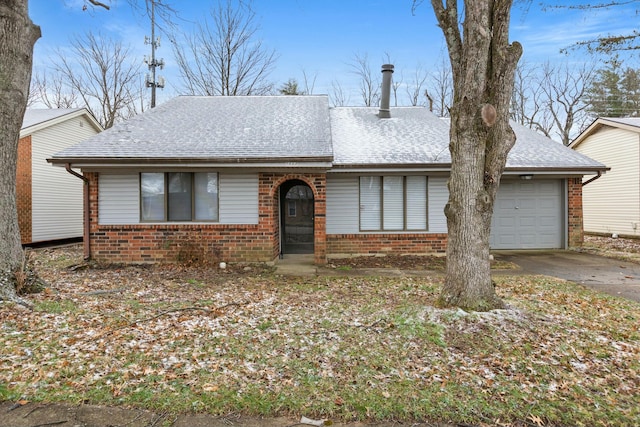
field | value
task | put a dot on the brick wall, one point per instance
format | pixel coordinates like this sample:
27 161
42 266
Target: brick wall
370 244
195 242
23 189
260 242
575 220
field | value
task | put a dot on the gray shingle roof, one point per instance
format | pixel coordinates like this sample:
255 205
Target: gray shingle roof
34 116
300 128
631 121
533 150
414 136
223 128
411 136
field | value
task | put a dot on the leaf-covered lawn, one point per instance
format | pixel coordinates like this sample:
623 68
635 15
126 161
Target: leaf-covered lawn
341 348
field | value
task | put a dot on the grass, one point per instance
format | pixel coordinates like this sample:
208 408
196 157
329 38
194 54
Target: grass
366 348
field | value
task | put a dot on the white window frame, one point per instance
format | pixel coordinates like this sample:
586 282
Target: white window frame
192 196
402 215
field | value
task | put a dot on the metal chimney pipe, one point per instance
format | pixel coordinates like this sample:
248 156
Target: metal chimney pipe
385 111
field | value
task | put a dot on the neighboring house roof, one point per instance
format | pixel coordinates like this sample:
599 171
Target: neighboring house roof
237 129
295 131
38 118
628 123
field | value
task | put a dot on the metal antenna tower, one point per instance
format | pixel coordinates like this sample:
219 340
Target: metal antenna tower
153 63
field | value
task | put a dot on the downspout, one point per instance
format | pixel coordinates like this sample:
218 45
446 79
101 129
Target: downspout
86 213
592 179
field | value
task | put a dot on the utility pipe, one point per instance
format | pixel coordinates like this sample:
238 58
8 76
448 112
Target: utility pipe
86 212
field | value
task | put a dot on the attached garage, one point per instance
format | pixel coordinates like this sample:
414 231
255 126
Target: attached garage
529 214
377 185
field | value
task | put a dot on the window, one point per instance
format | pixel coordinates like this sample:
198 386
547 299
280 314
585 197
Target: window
393 203
292 207
179 196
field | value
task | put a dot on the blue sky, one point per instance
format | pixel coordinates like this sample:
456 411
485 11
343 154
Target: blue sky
321 37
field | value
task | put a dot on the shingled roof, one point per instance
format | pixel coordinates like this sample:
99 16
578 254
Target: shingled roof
297 131
224 129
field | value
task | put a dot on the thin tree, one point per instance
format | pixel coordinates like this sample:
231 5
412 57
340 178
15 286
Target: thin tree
99 70
18 35
415 86
439 89
483 63
368 81
225 55
528 101
309 82
50 90
565 88
338 96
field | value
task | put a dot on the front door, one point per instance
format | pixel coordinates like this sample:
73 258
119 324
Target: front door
297 215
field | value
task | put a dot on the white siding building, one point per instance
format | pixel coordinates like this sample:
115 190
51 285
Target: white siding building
49 198
611 203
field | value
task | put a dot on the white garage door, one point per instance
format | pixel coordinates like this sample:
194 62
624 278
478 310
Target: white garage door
528 215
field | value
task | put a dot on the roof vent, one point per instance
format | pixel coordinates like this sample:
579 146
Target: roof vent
387 71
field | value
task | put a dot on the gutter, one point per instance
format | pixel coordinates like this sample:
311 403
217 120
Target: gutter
592 179
86 213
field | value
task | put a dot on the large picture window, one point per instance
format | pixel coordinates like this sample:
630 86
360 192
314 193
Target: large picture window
179 196
393 203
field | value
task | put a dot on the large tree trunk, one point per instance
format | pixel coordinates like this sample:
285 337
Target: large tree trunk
483 64
17 37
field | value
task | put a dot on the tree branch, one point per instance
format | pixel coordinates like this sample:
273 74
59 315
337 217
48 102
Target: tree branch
97 3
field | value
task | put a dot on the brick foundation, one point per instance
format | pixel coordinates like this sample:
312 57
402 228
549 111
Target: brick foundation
375 244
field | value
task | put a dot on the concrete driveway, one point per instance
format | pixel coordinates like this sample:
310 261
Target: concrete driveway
615 277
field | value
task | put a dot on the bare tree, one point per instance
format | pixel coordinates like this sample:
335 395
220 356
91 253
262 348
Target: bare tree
99 70
483 63
415 87
565 88
528 100
439 90
225 57
338 96
309 82
50 90
18 34
369 82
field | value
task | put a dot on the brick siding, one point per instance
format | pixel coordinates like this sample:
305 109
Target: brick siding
260 242
574 209
213 242
398 244
24 189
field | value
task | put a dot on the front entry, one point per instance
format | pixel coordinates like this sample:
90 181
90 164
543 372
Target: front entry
296 218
